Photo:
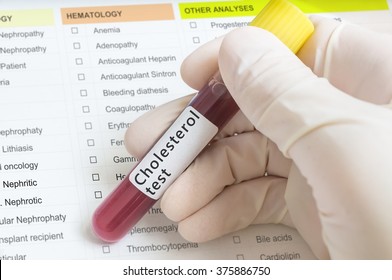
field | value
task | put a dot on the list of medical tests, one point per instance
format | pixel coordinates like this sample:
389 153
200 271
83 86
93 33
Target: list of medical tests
39 198
72 79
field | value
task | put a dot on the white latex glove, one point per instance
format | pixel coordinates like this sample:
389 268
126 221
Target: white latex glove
341 144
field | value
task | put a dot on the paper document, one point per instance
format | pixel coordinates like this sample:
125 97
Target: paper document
73 76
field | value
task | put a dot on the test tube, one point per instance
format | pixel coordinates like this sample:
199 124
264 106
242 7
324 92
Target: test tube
207 113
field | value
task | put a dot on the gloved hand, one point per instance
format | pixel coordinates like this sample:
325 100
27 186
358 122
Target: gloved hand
325 169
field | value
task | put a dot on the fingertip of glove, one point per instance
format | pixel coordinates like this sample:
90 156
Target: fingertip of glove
242 39
198 67
242 47
132 144
193 234
249 56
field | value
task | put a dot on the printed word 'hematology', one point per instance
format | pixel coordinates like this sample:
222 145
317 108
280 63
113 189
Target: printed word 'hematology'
84 15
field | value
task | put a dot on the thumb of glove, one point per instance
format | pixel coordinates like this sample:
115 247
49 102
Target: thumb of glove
341 145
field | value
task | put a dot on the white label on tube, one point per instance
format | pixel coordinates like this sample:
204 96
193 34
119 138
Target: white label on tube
173 153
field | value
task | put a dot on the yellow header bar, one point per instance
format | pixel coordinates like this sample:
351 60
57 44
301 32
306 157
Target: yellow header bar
26 18
220 9
325 6
194 10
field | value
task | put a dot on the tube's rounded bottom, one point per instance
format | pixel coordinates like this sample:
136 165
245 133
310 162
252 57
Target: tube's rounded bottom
120 211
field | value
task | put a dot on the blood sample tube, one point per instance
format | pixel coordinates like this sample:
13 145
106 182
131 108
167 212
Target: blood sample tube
208 112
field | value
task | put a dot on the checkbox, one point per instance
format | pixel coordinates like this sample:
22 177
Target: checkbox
236 239
196 40
85 109
81 77
240 257
88 125
106 249
79 61
76 46
95 177
98 194
74 30
83 92
93 159
193 24
90 142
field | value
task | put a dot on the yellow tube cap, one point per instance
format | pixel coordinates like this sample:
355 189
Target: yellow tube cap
285 21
